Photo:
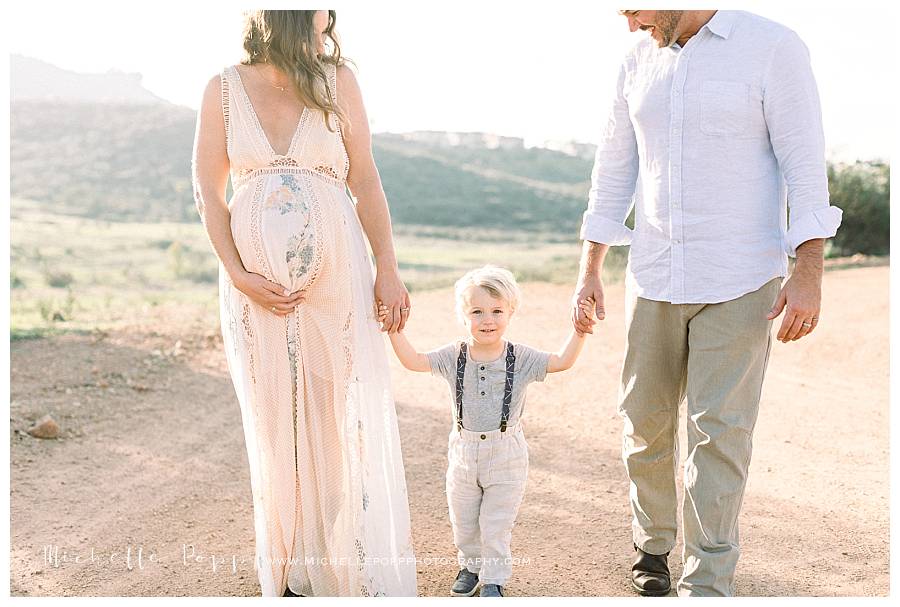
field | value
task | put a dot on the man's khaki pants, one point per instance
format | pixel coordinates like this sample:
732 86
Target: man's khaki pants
716 355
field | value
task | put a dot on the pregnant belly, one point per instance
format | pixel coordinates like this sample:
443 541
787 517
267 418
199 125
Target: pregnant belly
281 234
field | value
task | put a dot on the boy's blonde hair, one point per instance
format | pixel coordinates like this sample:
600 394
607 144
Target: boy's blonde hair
499 282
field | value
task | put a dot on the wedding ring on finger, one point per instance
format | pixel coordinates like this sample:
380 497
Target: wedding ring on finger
807 324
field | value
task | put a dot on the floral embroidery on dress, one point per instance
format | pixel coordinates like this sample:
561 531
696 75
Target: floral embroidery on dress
360 555
346 338
287 198
300 254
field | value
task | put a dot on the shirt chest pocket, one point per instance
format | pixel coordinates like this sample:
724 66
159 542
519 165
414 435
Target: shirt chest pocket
726 109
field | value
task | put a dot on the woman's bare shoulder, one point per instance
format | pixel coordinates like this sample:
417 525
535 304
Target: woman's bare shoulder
212 91
346 79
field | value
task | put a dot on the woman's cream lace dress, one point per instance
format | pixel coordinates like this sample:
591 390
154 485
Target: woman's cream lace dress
329 492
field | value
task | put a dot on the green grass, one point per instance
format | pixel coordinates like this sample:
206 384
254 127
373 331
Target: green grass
113 272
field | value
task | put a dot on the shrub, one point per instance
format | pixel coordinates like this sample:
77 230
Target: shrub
188 264
58 279
52 310
862 191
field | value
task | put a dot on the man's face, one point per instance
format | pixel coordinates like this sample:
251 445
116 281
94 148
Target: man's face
662 25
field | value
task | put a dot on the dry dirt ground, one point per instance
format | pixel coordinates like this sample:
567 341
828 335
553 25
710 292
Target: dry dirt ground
147 491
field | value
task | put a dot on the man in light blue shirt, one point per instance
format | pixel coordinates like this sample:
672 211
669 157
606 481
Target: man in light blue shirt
715 137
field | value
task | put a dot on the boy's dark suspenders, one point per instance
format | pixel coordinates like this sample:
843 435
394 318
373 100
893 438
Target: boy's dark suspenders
460 373
507 388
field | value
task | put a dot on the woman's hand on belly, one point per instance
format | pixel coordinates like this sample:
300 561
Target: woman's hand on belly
268 294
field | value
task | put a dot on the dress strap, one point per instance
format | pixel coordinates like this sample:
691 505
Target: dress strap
331 78
226 105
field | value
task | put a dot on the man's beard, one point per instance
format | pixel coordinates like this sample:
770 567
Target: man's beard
666 22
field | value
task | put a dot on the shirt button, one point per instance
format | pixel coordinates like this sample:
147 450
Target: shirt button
482 368
483 437
482 378
482 393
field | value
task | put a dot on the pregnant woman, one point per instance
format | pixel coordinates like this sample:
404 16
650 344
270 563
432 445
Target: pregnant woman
297 301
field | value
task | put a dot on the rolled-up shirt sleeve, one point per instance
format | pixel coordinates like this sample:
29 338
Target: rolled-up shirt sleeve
614 175
793 115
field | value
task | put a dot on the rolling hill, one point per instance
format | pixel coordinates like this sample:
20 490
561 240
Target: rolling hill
128 159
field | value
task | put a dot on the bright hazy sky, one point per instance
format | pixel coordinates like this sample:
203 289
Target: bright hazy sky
539 71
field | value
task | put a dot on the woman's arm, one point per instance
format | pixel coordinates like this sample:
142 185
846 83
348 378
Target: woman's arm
372 207
209 168
407 354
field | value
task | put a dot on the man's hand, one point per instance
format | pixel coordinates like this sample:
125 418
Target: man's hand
589 289
801 295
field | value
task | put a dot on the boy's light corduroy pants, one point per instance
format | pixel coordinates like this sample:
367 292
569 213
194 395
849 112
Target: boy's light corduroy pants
485 484
716 355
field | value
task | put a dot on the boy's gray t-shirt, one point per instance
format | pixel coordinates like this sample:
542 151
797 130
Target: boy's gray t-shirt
484 382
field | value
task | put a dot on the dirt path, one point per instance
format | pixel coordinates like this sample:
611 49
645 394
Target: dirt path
149 481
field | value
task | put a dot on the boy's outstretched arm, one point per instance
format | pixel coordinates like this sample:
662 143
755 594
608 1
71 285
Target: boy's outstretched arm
407 355
566 357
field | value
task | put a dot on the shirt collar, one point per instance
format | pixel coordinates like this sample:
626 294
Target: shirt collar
722 23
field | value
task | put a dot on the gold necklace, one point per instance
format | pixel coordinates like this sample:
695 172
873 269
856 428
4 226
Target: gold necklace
280 88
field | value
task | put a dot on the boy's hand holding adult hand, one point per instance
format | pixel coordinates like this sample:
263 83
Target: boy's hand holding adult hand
584 317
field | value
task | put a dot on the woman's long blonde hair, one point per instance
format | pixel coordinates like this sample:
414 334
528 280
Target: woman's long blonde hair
287 41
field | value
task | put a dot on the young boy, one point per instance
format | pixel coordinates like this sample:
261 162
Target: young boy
487 453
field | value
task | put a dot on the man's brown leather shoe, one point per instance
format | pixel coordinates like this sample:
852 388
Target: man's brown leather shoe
650 574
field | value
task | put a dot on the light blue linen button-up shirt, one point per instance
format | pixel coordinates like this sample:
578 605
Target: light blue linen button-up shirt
712 143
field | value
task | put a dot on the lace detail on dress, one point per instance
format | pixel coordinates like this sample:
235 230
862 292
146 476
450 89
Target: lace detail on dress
290 329
332 85
289 166
317 221
255 237
313 146
327 171
346 340
248 335
248 110
284 161
232 318
226 112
